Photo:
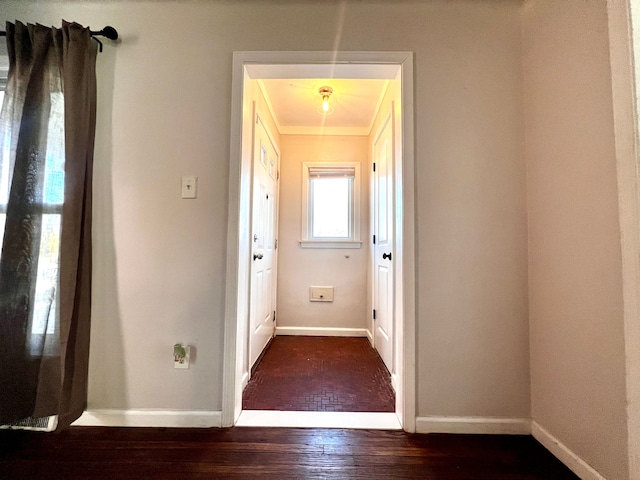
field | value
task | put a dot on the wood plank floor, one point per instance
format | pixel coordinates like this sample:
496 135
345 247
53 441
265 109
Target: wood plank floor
278 453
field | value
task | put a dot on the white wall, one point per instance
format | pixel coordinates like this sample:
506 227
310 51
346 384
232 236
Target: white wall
473 348
164 110
299 268
575 293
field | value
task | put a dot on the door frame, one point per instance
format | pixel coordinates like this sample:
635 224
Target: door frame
623 59
239 218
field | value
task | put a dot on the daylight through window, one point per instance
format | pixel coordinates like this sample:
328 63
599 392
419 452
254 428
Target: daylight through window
45 313
330 204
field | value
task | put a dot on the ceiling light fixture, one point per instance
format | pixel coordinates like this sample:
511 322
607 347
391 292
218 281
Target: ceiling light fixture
325 108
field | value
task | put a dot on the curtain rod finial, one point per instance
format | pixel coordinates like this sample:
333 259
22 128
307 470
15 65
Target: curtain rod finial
110 32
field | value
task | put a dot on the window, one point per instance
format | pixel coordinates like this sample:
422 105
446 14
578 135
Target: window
44 317
330 205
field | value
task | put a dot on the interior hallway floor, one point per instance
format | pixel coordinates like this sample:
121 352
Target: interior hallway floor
320 374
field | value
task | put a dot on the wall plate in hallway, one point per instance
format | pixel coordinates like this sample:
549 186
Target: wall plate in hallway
183 362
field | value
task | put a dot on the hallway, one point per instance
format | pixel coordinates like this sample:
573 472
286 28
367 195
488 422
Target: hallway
320 374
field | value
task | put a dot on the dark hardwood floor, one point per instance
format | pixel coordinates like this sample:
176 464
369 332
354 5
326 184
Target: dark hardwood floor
185 454
320 374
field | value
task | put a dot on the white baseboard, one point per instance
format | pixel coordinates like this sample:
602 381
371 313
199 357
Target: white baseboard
370 336
564 454
150 418
394 382
322 331
476 425
272 418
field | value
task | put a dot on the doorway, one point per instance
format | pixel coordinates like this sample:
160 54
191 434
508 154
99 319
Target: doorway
364 65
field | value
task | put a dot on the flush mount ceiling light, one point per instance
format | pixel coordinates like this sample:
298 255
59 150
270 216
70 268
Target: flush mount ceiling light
325 108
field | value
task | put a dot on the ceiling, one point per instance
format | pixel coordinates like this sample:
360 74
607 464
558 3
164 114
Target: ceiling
294 104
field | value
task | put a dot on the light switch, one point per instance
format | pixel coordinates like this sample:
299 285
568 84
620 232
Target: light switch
189 187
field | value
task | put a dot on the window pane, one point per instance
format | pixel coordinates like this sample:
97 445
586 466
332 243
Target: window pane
5 149
54 167
45 306
331 207
3 219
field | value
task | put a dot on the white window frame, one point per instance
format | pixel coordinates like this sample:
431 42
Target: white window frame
307 239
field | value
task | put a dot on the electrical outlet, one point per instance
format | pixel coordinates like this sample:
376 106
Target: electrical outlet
182 362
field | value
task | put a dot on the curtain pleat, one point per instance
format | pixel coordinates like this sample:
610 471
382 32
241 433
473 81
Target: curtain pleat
75 263
45 368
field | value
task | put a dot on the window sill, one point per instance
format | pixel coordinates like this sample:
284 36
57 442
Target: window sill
330 244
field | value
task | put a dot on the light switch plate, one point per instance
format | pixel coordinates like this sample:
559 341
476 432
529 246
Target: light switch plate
189 187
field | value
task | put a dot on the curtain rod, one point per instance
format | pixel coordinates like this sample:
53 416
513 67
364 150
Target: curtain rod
107 32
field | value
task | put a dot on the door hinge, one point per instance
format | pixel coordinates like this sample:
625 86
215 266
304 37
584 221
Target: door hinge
374 313
274 315
374 239
374 166
276 245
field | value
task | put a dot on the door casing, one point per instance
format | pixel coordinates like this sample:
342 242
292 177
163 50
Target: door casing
239 218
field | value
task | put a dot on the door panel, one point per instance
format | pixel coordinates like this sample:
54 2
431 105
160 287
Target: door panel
383 248
263 234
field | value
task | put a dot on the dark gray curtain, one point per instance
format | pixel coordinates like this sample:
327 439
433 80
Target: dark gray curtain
47 128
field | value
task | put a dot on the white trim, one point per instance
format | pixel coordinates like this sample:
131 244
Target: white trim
235 296
273 418
474 425
342 131
150 418
330 244
406 256
233 358
394 381
564 454
322 331
301 65
623 87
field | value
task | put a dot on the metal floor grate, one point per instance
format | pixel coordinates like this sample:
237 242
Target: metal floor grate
43 424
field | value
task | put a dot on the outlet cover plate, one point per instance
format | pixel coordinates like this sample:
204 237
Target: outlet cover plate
321 294
184 362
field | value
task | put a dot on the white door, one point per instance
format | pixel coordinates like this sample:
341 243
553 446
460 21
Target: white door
383 285
263 235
